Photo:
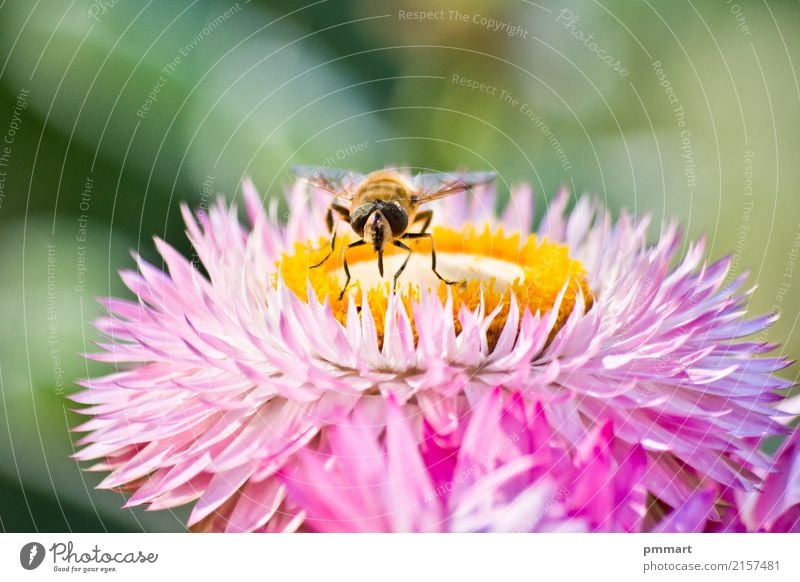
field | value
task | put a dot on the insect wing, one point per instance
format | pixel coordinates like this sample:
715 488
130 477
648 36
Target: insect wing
339 183
438 185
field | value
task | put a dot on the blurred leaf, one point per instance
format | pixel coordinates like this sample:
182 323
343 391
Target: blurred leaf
49 303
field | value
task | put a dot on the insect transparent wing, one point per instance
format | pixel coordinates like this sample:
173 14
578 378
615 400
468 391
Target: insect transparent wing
438 185
339 183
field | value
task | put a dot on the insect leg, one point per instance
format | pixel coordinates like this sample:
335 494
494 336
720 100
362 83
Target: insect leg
357 243
425 218
330 252
344 214
397 243
416 235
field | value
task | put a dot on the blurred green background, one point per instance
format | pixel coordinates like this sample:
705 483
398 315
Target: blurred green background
113 111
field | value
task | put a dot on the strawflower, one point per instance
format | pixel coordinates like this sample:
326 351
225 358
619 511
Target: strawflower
240 371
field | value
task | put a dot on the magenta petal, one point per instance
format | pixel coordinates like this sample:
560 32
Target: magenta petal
691 516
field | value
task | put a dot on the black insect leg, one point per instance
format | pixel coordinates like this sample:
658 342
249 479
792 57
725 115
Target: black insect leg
357 243
397 243
344 214
425 218
417 235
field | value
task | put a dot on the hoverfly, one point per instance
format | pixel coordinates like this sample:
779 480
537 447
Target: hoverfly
381 207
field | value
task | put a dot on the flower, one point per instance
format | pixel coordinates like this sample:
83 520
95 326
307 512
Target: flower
227 378
507 472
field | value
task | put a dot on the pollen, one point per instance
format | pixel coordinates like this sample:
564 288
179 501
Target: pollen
485 263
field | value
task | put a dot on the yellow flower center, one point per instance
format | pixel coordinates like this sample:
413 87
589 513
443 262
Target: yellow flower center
484 261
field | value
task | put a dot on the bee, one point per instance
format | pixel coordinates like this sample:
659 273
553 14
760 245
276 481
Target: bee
382 206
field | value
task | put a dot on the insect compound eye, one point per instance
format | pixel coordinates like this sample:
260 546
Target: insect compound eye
396 216
358 219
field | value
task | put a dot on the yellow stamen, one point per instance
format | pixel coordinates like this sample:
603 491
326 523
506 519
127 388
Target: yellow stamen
493 262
